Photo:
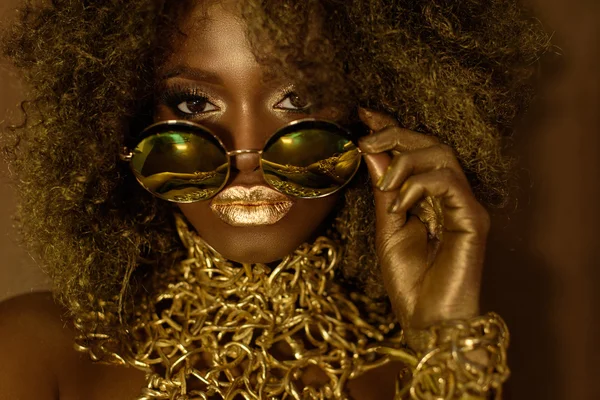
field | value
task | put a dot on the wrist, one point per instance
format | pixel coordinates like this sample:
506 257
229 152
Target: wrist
418 332
460 359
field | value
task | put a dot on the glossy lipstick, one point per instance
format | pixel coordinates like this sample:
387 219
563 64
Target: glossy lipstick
250 206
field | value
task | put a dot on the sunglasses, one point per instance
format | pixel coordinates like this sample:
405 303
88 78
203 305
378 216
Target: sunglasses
184 162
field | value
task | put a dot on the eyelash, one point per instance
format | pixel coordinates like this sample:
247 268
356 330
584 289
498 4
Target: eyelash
177 94
173 96
286 94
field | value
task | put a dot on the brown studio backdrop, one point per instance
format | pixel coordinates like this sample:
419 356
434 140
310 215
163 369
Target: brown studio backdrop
541 268
18 274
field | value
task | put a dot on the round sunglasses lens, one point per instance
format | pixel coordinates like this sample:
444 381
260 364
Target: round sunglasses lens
310 159
180 166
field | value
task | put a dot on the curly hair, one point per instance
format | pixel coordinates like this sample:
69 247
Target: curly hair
462 71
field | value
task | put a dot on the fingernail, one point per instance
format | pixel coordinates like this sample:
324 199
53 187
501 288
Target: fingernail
374 164
385 183
392 207
384 180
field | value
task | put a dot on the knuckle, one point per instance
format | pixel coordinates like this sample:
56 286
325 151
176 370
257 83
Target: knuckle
444 155
398 139
481 218
485 216
444 148
404 160
388 131
486 219
432 140
448 175
447 154
454 177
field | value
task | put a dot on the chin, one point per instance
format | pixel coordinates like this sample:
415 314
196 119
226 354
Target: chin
258 244
254 244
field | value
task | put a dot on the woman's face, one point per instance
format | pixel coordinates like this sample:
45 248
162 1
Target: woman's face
213 79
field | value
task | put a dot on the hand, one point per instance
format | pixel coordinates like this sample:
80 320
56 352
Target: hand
428 279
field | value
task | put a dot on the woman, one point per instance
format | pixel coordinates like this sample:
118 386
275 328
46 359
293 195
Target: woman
243 288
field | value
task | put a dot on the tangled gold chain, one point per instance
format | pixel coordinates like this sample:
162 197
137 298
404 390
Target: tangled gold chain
217 330
446 361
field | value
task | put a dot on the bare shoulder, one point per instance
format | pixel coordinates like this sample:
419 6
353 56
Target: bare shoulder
27 314
28 333
36 345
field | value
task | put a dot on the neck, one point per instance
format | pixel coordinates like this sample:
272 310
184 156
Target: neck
263 330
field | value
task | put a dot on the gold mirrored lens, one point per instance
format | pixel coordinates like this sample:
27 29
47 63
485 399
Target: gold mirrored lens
181 166
310 161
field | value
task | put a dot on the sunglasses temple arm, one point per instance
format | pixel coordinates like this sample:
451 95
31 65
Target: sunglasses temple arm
126 155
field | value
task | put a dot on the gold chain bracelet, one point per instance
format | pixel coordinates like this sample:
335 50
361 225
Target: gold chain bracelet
447 369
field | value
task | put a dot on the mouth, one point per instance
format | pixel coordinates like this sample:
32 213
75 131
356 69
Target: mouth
250 206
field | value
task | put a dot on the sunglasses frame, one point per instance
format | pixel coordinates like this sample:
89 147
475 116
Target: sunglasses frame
127 152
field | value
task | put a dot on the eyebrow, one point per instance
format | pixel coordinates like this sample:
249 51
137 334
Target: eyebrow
187 72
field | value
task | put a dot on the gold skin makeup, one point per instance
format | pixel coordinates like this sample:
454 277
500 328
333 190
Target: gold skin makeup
243 110
250 206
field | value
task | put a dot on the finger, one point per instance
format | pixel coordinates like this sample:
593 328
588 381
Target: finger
395 138
377 164
466 214
420 161
376 120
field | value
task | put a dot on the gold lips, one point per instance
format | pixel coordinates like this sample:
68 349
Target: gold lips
250 206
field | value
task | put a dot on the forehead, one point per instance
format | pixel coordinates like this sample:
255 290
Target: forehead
214 37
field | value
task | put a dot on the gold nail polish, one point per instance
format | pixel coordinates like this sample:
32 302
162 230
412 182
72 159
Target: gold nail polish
384 182
380 181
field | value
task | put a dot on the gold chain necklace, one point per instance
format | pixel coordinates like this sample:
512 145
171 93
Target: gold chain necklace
217 330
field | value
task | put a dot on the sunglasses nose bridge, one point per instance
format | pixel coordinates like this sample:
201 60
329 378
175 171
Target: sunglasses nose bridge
246 159
233 153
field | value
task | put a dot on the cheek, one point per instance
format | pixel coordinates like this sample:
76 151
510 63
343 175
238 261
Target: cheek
310 214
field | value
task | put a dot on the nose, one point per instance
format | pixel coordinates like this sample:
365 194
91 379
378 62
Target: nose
245 127
248 130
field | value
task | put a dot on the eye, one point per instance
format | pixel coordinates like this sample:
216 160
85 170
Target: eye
293 102
186 102
196 106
